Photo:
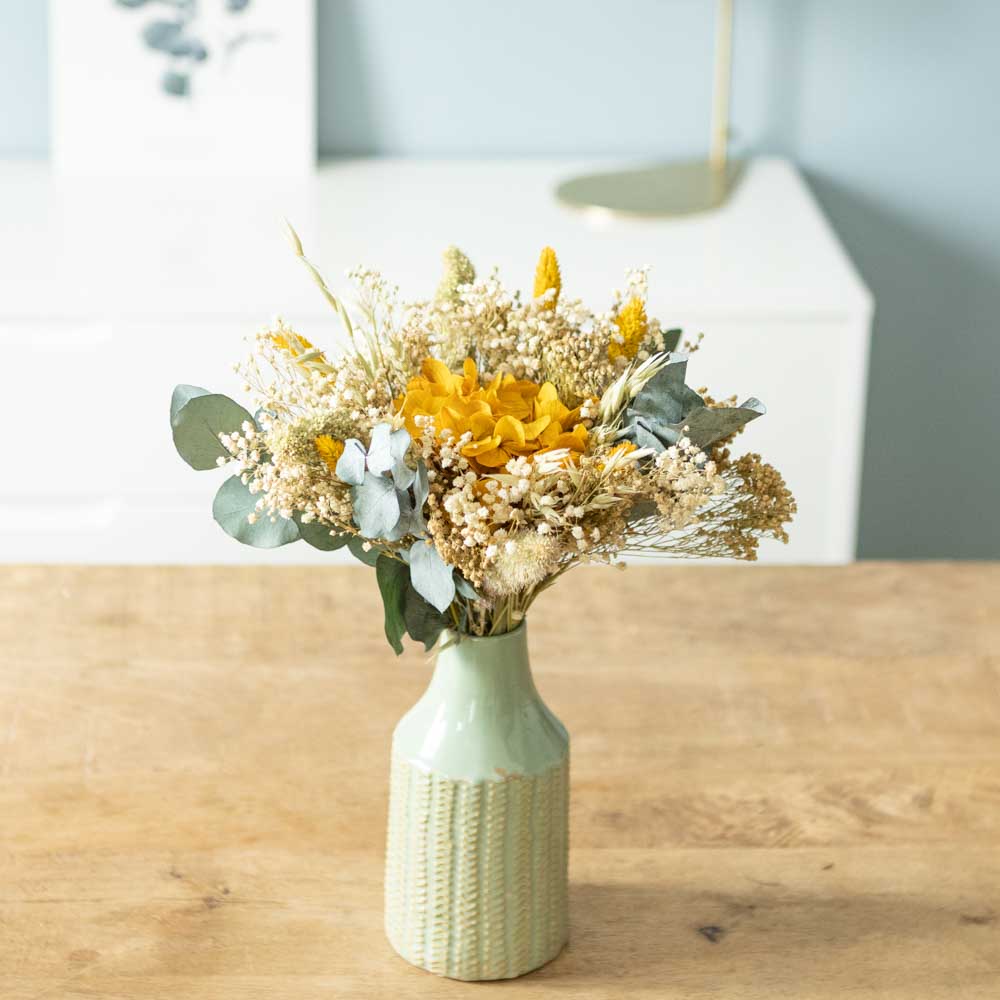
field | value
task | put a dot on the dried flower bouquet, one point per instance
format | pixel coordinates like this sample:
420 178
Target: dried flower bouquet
476 446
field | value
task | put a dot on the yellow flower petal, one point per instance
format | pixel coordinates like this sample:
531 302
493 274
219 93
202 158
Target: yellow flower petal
507 417
510 429
329 449
495 459
476 448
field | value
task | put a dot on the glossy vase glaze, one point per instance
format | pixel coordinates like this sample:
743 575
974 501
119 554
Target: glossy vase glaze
476 865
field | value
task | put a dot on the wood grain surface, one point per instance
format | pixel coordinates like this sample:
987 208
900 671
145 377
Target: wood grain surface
786 783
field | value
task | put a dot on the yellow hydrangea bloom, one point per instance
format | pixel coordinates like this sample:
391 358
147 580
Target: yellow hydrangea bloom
633 326
329 449
506 418
547 276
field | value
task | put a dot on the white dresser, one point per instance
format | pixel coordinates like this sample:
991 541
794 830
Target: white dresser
112 292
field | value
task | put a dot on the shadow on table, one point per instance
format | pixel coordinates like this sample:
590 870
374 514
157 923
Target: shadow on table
769 938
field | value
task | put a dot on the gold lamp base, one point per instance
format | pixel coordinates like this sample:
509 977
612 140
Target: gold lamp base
669 189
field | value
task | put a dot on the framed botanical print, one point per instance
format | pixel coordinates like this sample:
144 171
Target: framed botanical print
183 87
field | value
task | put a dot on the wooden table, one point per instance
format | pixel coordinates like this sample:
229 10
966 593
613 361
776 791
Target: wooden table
786 783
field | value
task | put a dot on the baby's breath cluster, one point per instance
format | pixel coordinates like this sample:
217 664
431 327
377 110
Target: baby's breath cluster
516 436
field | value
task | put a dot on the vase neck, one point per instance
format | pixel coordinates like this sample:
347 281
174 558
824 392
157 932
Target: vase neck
495 667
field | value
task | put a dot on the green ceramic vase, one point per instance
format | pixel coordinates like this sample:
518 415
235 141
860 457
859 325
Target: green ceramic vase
476 866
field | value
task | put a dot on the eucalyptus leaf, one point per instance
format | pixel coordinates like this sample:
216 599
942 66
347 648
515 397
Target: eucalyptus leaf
393 579
356 547
421 486
182 395
379 455
198 422
319 536
232 506
376 506
666 409
423 622
431 576
671 338
351 464
464 588
402 525
399 444
402 475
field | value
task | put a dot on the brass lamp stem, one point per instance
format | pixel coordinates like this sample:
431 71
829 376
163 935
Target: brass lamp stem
721 85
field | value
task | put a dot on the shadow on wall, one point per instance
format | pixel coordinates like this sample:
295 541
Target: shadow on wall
931 431
344 77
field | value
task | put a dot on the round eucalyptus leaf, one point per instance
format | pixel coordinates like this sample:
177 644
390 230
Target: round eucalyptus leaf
319 536
432 577
351 464
233 505
376 506
198 422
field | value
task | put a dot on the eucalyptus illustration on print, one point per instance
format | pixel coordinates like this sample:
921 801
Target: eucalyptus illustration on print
177 34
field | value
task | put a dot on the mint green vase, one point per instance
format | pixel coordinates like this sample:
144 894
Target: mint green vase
476 865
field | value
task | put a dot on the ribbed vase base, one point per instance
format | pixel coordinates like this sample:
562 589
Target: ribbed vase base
476 872
467 977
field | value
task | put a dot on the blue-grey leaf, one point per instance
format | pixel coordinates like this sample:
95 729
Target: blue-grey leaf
161 35
376 506
399 443
402 475
189 48
231 508
393 578
181 395
421 486
198 422
351 464
709 424
671 338
405 511
665 398
379 452
658 416
176 84
432 577
464 588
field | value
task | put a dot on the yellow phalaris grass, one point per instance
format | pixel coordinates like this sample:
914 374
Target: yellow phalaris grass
547 277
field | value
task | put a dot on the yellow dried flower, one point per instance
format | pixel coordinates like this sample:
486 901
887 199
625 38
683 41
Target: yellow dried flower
329 449
294 344
547 276
505 417
634 326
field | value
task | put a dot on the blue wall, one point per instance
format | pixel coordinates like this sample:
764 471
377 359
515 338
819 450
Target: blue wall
888 107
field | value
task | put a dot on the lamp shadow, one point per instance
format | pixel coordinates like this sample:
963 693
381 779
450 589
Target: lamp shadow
766 940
